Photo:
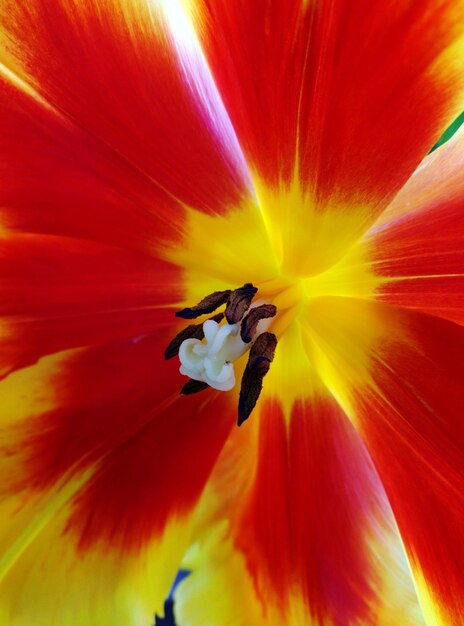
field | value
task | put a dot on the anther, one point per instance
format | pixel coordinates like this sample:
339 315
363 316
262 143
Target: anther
251 320
259 362
239 302
205 306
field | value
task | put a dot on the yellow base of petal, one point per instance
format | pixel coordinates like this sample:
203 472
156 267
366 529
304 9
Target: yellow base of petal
49 580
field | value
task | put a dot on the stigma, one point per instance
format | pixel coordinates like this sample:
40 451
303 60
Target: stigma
211 360
207 351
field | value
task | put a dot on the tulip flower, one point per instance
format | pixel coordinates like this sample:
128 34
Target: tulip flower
231 312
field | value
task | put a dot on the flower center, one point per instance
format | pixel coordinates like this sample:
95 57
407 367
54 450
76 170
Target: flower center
299 264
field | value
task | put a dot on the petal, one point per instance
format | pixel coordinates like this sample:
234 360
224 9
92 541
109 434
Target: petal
110 120
417 247
334 103
309 536
59 292
107 421
403 388
220 590
51 581
58 179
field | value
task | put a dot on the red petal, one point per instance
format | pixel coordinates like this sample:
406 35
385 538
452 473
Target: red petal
414 430
156 475
402 374
58 293
115 407
102 464
358 91
418 246
310 514
58 179
103 134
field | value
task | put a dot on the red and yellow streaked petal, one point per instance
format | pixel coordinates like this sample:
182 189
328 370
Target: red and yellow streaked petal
141 90
47 579
58 179
334 104
403 388
309 537
417 247
61 292
110 415
309 511
91 402
220 590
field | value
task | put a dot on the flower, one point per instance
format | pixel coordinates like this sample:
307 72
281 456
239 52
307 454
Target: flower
153 153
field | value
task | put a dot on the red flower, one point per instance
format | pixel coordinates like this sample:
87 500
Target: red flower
153 154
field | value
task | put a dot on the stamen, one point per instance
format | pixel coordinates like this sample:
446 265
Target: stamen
259 362
250 322
239 302
205 306
194 331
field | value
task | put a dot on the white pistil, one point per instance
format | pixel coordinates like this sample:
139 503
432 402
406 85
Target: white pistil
211 360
